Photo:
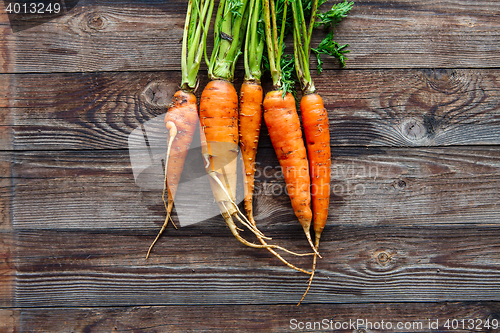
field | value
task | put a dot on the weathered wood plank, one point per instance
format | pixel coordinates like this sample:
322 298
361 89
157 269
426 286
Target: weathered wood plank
9 320
7 270
101 36
80 222
366 108
204 264
418 186
125 35
418 317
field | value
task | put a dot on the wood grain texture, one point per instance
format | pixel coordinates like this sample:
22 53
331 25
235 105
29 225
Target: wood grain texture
249 318
359 265
7 49
434 239
122 35
9 321
7 247
366 108
102 36
414 221
424 186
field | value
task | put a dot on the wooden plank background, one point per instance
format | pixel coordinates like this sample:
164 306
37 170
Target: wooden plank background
414 220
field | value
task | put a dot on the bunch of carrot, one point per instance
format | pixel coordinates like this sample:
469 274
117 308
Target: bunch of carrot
228 123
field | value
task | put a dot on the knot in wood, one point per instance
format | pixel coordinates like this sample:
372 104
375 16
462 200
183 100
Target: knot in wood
96 22
493 316
158 94
383 258
414 129
400 184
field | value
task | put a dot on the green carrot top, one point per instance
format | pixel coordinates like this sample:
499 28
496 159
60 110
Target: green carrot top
276 26
230 25
198 16
302 34
254 42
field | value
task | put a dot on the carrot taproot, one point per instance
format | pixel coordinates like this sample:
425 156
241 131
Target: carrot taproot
283 124
317 133
250 112
250 120
182 116
181 120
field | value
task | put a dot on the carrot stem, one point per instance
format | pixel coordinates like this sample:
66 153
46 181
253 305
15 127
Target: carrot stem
194 38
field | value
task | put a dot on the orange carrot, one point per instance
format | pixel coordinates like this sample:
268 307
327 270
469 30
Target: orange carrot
219 123
250 116
180 120
284 129
182 115
283 121
317 133
314 114
250 119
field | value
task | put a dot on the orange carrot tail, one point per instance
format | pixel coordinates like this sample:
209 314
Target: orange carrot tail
312 271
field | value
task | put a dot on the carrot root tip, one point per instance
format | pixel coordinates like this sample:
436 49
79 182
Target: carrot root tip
309 239
243 221
312 271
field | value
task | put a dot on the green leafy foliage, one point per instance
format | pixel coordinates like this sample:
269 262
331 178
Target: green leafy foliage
333 17
288 75
330 47
288 78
